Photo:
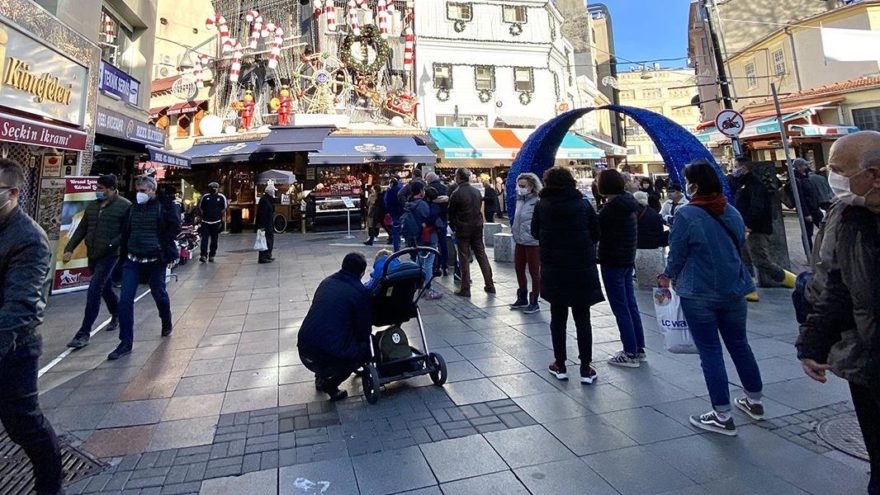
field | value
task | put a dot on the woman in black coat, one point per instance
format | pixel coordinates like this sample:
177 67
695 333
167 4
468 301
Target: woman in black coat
490 202
566 227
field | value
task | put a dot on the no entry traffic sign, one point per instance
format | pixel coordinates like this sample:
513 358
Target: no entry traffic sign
730 123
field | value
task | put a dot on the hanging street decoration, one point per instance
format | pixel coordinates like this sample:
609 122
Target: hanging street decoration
516 29
366 53
219 22
443 94
525 97
485 95
458 26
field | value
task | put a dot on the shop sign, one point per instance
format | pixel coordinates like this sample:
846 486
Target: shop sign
19 130
119 85
52 165
39 80
74 275
113 124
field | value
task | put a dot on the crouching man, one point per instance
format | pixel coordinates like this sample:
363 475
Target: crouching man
334 338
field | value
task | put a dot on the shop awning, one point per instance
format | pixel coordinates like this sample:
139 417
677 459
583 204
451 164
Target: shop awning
276 176
501 144
520 121
177 109
167 158
286 139
21 130
241 151
610 148
823 130
349 150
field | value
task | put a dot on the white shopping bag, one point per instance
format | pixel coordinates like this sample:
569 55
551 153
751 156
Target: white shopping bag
670 317
260 243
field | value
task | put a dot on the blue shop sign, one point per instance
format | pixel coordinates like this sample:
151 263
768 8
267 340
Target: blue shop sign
119 85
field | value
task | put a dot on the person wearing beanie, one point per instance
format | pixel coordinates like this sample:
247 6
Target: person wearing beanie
212 206
264 222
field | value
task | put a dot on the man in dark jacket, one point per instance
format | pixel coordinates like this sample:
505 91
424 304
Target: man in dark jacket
434 181
265 222
212 206
842 331
334 338
148 246
24 269
394 207
754 201
415 215
101 227
466 221
809 197
404 195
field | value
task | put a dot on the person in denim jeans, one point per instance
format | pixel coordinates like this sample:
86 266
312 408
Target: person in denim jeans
618 234
706 270
394 208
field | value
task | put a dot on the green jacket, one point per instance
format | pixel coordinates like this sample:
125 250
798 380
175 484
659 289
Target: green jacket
101 228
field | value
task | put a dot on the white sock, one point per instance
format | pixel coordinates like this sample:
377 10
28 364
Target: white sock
722 416
756 402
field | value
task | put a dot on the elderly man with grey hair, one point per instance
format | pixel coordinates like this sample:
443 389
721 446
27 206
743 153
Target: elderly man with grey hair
148 247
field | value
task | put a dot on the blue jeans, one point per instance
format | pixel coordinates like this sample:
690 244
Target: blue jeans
100 286
706 320
426 260
395 233
622 298
131 274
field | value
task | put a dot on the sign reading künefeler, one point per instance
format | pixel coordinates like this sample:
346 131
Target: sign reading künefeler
39 80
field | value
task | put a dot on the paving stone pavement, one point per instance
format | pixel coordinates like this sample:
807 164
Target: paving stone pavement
225 406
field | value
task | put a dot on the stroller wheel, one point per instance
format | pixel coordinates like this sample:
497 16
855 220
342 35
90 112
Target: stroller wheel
438 364
370 381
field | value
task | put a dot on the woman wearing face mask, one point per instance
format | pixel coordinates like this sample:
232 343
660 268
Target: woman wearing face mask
526 251
706 270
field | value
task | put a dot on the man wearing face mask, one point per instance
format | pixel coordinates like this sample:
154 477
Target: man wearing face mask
148 247
101 228
842 330
24 270
212 206
264 222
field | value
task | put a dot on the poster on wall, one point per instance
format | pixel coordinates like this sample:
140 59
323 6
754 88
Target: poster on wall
52 165
49 206
75 275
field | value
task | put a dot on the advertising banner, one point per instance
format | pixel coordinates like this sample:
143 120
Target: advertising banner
73 276
119 85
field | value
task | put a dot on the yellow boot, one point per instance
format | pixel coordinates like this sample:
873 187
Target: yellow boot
752 296
789 279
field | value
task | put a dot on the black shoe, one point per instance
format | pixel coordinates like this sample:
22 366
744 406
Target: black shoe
558 370
202 259
113 325
368 243
79 341
711 422
337 394
755 411
389 241
521 300
445 272
320 383
263 262
167 329
588 374
211 259
123 349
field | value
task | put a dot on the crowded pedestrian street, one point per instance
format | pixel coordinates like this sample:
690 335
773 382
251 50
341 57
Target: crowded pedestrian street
224 406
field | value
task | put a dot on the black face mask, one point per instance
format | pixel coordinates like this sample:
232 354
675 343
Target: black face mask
213 190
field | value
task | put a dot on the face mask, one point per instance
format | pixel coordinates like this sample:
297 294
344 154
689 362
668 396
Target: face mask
100 195
213 190
523 191
840 187
8 199
691 189
142 198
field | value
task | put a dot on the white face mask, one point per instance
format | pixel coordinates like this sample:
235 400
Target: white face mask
841 188
142 197
523 191
8 199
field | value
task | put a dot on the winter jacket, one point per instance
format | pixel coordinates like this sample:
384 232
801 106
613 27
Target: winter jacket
843 328
704 255
809 197
151 229
651 234
416 216
101 228
442 190
464 208
212 207
265 213
24 268
669 209
755 203
522 220
404 195
393 205
824 194
377 209
490 198
339 322
566 226
618 238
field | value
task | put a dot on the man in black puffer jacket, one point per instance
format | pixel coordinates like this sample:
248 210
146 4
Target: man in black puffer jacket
618 241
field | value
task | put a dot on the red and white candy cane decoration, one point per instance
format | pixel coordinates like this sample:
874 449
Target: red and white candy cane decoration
362 4
237 54
253 16
109 29
199 70
319 7
330 11
408 48
353 20
275 51
223 28
382 18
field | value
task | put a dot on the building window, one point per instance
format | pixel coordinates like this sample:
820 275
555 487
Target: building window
633 150
524 79
779 62
442 76
514 14
751 76
652 93
484 78
459 12
462 120
627 94
867 119
115 37
183 123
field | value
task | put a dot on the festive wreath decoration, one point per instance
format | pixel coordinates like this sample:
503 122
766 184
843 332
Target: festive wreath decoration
485 95
525 98
369 37
458 26
516 29
443 94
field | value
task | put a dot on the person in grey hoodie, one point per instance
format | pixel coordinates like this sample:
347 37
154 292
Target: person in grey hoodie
527 252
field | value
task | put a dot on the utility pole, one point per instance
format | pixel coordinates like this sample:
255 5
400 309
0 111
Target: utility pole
723 81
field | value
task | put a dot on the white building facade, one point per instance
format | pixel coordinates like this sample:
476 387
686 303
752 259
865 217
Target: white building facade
491 63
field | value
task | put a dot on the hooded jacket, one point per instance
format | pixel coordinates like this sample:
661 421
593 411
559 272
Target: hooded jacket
618 227
522 220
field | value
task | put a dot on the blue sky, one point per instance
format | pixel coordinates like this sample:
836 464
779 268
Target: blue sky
650 29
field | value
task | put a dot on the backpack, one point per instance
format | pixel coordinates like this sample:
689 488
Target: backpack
409 226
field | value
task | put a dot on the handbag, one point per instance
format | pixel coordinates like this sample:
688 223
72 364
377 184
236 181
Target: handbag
260 242
387 220
670 318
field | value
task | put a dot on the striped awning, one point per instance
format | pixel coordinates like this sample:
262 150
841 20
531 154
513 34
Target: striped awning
832 131
503 144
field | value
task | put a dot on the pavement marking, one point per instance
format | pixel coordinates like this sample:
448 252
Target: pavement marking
54 362
342 244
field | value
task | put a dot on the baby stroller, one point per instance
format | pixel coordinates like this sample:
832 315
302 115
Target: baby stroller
396 296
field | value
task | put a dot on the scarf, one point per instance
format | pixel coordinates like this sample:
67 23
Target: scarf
715 203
